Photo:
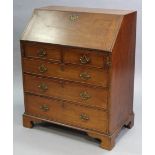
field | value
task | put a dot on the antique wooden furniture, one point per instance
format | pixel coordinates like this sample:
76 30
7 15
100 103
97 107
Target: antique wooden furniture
78 70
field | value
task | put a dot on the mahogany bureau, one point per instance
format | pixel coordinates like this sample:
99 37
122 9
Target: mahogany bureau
78 70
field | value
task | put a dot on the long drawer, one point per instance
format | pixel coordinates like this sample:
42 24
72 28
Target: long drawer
70 91
66 113
70 72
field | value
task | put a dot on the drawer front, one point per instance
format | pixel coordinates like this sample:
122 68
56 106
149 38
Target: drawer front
88 96
66 113
69 72
43 51
84 57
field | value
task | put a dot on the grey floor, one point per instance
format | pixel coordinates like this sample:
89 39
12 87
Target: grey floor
55 140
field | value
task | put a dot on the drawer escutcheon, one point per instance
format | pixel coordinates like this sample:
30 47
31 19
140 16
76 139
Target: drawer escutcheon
84 117
42 53
84 95
84 59
43 87
44 107
42 68
85 76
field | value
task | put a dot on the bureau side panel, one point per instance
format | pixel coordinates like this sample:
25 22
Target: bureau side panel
122 76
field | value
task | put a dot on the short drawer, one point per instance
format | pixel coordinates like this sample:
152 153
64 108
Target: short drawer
42 51
70 91
69 72
66 113
85 57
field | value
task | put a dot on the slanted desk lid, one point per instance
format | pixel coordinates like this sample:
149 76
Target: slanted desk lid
72 28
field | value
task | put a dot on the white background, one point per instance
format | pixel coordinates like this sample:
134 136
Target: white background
75 142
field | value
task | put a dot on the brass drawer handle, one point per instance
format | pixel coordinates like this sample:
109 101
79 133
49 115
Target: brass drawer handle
44 107
85 76
42 53
84 59
73 17
85 96
42 68
84 117
43 87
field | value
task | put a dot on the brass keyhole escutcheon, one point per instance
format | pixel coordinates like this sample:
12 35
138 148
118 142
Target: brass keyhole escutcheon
42 52
73 17
44 107
85 76
43 87
84 95
42 68
84 117
107 62
84 59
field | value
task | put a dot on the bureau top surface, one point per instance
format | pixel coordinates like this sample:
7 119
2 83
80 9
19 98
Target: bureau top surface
79 27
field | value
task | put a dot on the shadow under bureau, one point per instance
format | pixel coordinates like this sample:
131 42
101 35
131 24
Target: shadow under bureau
78 70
